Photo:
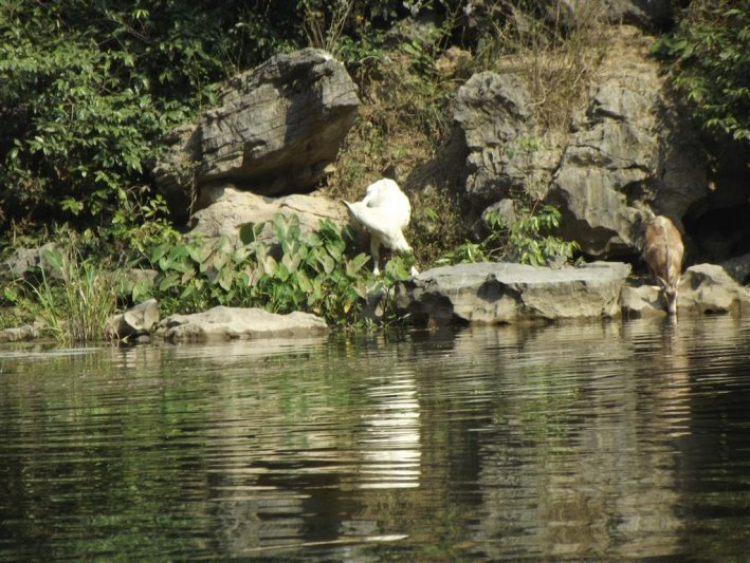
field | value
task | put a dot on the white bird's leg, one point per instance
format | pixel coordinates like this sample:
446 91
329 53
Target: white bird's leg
375 254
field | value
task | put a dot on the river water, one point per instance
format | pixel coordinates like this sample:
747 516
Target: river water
585 442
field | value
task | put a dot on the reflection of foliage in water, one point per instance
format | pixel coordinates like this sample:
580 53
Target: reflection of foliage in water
528 440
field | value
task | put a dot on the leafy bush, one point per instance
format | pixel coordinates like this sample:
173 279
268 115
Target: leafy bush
307 271
709 53
528 240
87 90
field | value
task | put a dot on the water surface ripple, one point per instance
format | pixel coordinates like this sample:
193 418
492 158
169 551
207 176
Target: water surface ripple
585 442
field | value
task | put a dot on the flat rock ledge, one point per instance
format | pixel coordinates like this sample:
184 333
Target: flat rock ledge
237 323
18 334
499 293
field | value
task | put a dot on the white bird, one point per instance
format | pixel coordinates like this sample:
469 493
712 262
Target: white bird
385 212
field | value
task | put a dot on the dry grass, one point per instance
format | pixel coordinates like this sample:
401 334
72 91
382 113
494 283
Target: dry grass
557 56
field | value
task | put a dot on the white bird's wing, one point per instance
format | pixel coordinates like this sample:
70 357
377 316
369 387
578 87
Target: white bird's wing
387 195
380 222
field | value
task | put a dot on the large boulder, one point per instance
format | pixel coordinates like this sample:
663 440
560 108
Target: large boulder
647 14
642 302
231 208
504 155
482 17
275 131
23 261
136 321
16 334
493 293
237 323
709 289
705 289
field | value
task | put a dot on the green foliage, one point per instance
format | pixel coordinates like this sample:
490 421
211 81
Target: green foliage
72 297
709 52
528 240
88 89
305 271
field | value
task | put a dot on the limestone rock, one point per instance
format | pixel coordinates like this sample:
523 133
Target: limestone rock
493 111
23 260
232 323
646 14
136 321
491 293
230 208
15 334
739 268
174 173
643 13
275 130
628 151
709 289
642 302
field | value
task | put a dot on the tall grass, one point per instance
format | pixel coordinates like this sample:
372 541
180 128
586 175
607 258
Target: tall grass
73 298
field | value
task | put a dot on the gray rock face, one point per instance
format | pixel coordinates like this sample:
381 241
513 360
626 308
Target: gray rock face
644 13
233 323
230 208
709 289
23 260
642 302
15 334
738 268
491 293
627 151
704 289
493 112
275 131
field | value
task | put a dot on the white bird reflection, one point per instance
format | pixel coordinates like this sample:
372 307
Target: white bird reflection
390 445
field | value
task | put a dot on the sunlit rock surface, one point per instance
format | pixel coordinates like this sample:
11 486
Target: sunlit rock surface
136 321
491 293
234 323
229 208
709 289
642 302
626 150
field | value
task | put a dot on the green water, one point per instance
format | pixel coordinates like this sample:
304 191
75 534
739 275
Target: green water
595 442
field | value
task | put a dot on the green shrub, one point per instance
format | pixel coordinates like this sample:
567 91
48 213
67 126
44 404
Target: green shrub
528 240
306 271
709 55
88 89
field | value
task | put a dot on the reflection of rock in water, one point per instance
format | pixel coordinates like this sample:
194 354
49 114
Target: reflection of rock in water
390 443
257 519
577 462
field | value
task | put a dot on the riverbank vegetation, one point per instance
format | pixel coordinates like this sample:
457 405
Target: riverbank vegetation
88 91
